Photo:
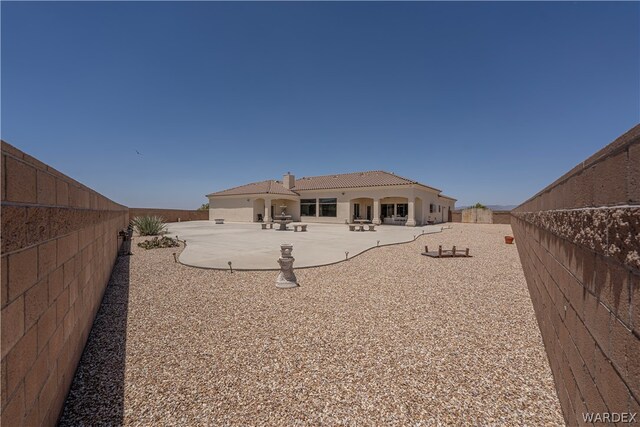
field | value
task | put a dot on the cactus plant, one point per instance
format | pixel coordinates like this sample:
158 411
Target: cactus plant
149 225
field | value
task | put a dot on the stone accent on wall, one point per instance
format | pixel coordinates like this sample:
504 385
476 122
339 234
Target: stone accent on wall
59 244
578 241
24 225
610 231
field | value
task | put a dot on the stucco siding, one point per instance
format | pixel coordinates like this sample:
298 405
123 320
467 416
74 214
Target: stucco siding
247 207
231 209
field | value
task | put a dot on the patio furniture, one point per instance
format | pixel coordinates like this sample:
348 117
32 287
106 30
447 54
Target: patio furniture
352 227
266 225
219 220
395 220
303 227
372 227
445 253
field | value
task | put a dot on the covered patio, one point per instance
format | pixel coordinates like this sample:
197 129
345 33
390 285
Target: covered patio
265 208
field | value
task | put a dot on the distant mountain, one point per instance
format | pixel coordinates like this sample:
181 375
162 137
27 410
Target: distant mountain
492 207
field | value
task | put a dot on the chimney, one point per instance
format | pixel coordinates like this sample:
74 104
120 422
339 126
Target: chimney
289 180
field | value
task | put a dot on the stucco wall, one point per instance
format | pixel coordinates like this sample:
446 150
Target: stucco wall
232 209
477 216
237 208
170 215
578 240
495 217
59 244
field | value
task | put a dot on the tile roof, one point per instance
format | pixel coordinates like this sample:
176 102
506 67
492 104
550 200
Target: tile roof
324 182
352 180
262 187
447 197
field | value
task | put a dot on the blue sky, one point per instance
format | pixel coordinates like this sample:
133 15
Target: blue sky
489 102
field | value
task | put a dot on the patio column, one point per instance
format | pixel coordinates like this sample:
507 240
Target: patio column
267 210
376 212
411 220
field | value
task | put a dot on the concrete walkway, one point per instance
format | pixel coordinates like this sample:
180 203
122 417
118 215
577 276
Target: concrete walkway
249 247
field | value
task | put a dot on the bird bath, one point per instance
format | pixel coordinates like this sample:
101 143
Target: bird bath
283 219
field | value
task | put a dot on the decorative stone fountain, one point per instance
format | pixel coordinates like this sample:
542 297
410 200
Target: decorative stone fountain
286 278
283 219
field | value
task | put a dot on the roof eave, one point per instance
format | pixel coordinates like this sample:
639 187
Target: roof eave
253 194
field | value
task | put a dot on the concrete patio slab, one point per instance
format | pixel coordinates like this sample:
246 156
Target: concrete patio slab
248 247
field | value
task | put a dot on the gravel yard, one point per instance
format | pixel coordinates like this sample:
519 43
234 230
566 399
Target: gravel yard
388 338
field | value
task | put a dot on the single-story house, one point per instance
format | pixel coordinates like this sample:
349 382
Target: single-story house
378 196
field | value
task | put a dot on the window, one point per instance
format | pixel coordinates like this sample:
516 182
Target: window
308 207
431 207
438 208
387 210
328 207
402 209
356 210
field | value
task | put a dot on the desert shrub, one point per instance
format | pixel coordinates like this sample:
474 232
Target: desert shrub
155 243
149 225
479 206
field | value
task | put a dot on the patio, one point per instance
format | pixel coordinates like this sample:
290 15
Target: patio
249 247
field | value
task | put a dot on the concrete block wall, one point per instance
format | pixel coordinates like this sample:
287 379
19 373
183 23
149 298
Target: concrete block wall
170 215
579 243
59 244
501 217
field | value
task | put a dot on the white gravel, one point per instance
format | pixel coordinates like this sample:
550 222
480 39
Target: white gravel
388 338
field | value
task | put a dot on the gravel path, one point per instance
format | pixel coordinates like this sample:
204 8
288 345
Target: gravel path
388 338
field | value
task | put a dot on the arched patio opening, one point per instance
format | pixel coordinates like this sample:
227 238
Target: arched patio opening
394 210
361 208
258 210
289 206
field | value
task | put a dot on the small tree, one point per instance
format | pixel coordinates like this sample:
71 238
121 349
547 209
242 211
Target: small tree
204 207
479 206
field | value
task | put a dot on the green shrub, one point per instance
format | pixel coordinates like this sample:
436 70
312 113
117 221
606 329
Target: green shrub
479 206
164 242
149 225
